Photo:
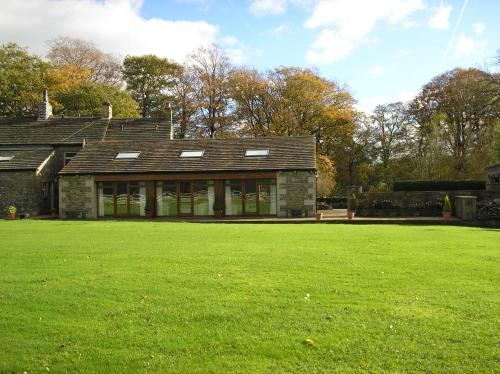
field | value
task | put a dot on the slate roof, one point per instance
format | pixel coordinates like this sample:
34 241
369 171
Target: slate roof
285 153
59 131
144 129
24 159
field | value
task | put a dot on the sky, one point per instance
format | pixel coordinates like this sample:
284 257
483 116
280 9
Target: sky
382 50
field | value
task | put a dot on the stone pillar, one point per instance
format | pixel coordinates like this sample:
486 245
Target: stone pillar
296 193
77 196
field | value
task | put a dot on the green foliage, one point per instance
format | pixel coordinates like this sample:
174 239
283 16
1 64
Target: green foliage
178 297
446 204
11 209
148 77
439 185
352 203
86 99
21 81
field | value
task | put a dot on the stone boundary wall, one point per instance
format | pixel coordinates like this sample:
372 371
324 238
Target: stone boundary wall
413 203
77 196
296 193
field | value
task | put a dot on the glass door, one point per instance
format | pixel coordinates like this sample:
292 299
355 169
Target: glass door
185 202
250 200
121 199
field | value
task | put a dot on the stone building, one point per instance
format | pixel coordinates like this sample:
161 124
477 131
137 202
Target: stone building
34 150
272 176
104 167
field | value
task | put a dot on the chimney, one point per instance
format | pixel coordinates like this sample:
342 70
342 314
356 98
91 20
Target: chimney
107 110
168 105
44 107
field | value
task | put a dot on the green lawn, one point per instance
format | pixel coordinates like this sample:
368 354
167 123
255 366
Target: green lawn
115 296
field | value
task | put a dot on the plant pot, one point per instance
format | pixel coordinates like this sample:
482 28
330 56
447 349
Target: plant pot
11 215
148 214
319 216
446 215
350 215
219 213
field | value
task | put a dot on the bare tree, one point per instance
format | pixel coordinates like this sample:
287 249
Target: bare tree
211 68
103 67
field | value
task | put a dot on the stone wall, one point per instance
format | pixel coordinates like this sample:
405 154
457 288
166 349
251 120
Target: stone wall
23 189
19 188
296 193
412 203
77 196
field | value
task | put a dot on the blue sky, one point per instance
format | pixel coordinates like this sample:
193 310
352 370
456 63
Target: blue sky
383 50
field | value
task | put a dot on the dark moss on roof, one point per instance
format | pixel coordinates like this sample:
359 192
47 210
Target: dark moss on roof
57 131
285 153
24 159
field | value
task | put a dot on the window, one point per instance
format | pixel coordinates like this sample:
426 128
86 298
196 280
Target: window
127 155
257 152
45 190
191 154
68 156
6 158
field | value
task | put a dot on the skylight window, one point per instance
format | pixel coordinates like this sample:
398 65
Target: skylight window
6 158
192 154
257 152
127 155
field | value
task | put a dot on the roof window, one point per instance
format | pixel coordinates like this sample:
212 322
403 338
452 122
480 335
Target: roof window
6 158
257 152
192 154
127 155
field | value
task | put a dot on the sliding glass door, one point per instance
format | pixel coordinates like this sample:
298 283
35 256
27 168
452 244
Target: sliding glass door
121 199
185 198
250 197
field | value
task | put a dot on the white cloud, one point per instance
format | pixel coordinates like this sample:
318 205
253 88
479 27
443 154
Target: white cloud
441 17
346 23
368 104
115 26
479 28
465 46
377 70
262 7
277 30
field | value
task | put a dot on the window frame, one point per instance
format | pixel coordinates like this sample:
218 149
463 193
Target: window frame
257 152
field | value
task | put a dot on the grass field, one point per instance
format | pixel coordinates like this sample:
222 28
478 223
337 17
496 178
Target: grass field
181 297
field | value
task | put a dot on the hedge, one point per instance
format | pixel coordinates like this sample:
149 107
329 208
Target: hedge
423 185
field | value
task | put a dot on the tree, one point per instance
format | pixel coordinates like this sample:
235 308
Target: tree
83 55
211 69
391 132
184 103
459 105
149 78
86 98
21 81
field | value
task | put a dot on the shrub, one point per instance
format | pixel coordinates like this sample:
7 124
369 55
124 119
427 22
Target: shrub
383 204
426 185
446 204
352 203
11 209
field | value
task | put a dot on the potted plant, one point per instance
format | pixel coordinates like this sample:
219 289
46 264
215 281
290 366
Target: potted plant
11 212
319 216
218 208
352 204
149 208
446 208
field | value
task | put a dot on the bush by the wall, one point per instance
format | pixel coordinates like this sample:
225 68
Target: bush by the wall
423 185
333 202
